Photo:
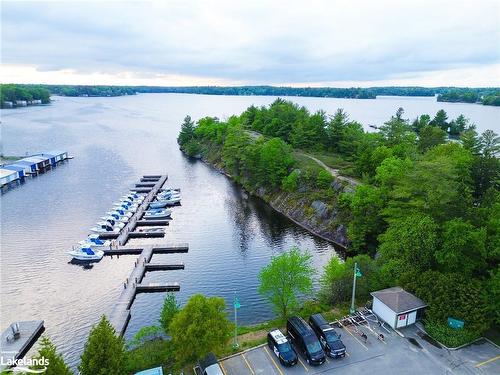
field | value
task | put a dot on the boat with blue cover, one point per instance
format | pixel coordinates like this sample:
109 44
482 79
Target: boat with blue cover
86 253
94 241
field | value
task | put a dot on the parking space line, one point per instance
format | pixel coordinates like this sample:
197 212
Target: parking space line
222 368
354 337
273 361
488 361
248 364
302 363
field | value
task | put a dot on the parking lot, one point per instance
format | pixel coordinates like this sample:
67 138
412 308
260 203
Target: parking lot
412 354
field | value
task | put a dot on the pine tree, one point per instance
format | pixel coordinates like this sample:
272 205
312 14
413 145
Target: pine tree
104 352
56 364
170 308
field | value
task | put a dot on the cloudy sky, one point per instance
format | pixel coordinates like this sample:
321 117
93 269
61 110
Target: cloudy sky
313 43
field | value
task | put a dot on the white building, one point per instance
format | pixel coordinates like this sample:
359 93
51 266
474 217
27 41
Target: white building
397 307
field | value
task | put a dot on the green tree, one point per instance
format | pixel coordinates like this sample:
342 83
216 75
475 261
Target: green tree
335 128
187 131
274 162
420 122
169 310
199 328
470 140
291 182
490 142
463 249
367 223
285 278
56 364
412 242
104 352
440 120
336 280
430 136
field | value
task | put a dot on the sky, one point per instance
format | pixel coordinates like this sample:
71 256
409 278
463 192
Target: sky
228 43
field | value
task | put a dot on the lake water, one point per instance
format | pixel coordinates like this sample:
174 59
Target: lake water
115 141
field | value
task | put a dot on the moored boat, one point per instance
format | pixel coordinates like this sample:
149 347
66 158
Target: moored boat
86 253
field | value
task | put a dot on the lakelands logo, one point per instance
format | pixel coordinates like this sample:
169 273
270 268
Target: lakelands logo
23 365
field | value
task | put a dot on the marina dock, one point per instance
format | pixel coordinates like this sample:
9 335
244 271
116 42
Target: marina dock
15 345
120 316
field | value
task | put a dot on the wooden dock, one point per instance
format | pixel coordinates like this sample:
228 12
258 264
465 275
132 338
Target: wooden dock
12 349
120 316
124 235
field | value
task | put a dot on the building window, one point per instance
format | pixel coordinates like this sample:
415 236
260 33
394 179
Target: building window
402 317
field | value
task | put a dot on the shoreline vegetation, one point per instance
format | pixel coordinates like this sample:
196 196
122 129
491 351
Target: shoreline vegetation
420 199
485 96
15 96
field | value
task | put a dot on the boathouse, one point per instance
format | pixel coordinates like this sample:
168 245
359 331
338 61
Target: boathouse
19 169
397 307
32 165
55 156
42 163
7 176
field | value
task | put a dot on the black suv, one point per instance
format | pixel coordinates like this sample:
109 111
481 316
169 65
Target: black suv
304 338
280 346
330 340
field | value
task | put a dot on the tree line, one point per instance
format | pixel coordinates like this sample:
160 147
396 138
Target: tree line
427 208
12 93
483 96
486 96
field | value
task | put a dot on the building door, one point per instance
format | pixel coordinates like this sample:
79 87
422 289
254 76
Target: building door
402 319
412 317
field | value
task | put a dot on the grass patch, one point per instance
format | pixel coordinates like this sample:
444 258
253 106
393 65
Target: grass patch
150 354
332 160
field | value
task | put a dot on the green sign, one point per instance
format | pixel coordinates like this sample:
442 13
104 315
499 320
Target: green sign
358 272
236 303
455 323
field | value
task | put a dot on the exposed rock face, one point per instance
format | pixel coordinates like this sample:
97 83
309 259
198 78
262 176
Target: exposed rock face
320 209
323 221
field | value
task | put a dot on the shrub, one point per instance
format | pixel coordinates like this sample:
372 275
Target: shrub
323 179
450 337
290 183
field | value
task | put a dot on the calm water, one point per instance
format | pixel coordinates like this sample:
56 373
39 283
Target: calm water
114 141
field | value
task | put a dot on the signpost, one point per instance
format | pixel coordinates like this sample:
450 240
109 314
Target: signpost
236 305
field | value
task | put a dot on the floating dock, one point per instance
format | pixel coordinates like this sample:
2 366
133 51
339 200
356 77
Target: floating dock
120 316
12 348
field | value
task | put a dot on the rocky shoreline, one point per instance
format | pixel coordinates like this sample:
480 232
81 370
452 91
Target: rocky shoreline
317 217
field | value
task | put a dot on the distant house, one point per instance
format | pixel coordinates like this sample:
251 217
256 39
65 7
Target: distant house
21 103
397 307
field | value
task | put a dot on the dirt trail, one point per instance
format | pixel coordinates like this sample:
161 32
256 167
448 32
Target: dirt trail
334 172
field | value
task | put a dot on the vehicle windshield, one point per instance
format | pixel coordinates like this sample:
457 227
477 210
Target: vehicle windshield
330 336
285 347
313 347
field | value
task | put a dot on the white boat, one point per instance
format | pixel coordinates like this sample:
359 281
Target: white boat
157 214
121 212
95 242
114 223
126 207
86 253
103 227
117 217
157 204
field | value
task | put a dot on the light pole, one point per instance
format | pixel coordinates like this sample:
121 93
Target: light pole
357 273
236 305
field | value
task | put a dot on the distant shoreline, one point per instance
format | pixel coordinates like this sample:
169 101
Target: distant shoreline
480 95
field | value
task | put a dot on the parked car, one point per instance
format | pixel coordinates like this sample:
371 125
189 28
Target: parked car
328 337
209 366
305 340
281 347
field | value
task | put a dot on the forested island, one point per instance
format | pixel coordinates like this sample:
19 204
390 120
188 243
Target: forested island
484 96
23 95
413 207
